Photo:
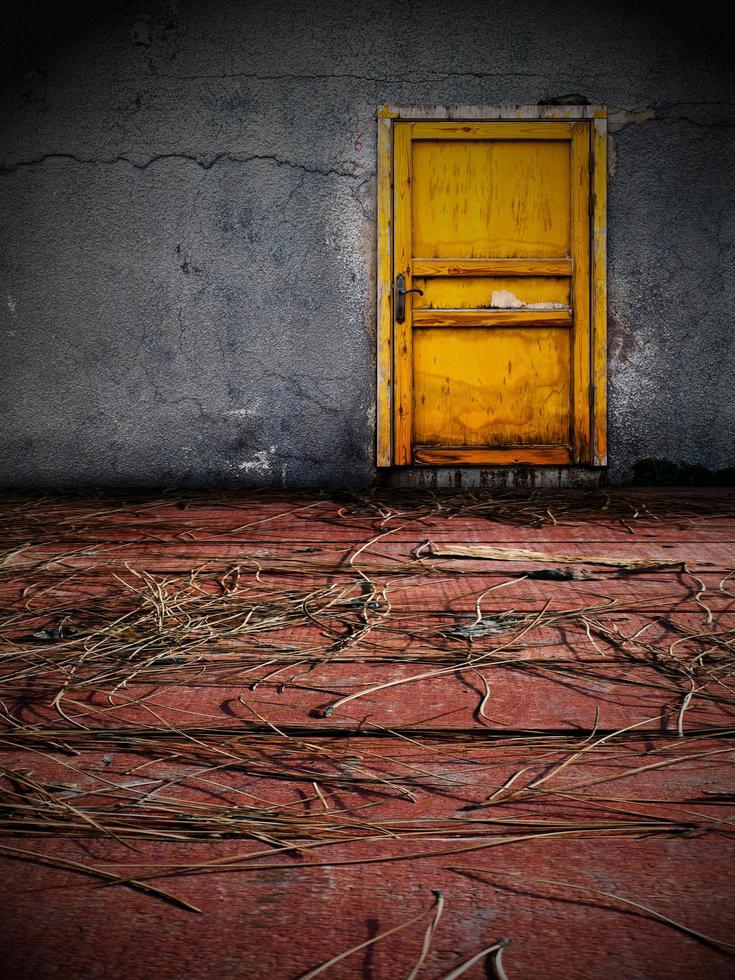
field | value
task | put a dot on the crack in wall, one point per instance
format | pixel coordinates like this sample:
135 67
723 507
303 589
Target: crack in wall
664 112
203 161
618 119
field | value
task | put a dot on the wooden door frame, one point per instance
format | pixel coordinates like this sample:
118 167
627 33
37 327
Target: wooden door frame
597 117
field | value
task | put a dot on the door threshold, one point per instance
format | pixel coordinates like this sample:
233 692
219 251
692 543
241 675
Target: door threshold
516 477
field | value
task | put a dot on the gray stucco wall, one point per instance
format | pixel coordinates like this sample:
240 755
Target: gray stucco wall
187 202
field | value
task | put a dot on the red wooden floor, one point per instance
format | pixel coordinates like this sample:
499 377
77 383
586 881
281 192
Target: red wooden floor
243 733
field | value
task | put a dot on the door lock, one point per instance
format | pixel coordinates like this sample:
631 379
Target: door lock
401 293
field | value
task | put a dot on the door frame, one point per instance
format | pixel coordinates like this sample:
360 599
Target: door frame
597 117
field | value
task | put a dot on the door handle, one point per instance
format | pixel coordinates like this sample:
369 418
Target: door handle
401 293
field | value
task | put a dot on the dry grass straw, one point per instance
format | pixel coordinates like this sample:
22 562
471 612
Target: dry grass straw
436 909
628 902
495 950
116 630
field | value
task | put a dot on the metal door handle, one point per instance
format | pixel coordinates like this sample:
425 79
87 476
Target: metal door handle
401 293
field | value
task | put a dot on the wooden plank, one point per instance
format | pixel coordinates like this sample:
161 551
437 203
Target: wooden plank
492 267
384 422
492 130
468 456
599 292
581 291
488 199
296 920
492 318
493 292
402 216
482 388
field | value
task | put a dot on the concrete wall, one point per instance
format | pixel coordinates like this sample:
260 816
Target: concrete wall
188 205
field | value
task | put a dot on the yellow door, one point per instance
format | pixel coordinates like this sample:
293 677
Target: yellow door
491 292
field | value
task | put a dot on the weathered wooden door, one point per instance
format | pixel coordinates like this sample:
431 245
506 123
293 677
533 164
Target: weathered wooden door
491 292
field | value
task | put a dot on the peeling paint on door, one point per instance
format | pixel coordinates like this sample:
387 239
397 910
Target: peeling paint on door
504 299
